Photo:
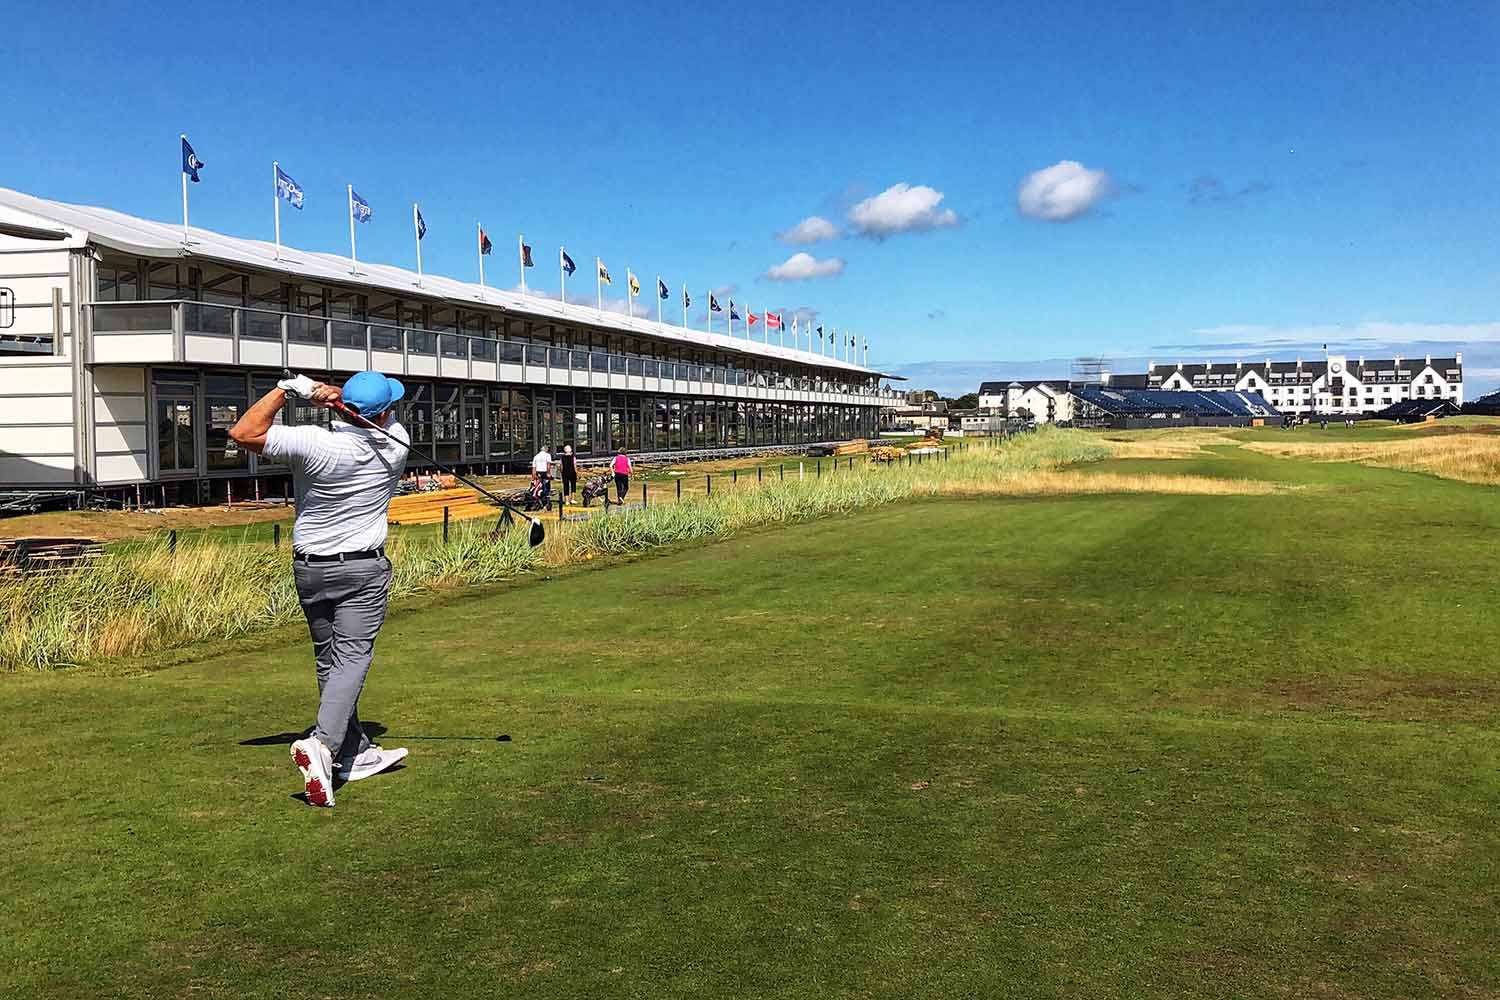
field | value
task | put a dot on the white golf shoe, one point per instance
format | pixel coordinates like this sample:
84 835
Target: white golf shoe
312 758
371 762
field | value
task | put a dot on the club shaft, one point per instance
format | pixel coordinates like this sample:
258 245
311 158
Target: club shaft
344 410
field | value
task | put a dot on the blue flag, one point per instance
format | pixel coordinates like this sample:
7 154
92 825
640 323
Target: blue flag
567 262
732 313
661 290
686 302
421 225
190 162
713 303
288 188
359 207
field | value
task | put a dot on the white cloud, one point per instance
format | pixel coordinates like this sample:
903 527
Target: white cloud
802 266
724 290
1063 191
901 208
812 229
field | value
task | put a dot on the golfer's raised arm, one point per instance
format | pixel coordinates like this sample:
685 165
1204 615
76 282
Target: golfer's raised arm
251 429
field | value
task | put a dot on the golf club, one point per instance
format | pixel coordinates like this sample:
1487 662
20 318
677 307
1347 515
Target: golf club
534 536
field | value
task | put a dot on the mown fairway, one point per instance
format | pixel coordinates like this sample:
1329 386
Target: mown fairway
1143 746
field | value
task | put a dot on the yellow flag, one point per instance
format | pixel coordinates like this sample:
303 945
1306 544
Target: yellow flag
604 274
635 286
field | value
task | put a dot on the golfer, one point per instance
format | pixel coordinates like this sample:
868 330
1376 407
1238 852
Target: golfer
343 478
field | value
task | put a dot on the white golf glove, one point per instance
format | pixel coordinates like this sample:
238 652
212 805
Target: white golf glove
299 386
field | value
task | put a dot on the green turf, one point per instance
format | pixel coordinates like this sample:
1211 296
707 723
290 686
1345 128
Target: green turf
1135 746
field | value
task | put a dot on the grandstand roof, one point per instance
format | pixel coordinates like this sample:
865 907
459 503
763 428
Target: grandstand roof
1150 402
1357 367
79 225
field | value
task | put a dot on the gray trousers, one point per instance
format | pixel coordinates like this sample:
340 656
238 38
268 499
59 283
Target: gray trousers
345 607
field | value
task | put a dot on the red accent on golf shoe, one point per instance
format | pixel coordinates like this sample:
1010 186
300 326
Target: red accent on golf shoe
316 794
300 758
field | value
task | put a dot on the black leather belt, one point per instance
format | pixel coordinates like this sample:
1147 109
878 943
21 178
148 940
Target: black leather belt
339 556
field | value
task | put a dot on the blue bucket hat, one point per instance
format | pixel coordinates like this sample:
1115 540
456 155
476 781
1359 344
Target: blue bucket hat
371 393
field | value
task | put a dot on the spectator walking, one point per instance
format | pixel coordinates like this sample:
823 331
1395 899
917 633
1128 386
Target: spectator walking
569 471
541 465
622 471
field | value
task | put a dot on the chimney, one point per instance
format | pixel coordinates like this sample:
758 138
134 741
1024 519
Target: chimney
1458 358
1398 361
1239 365
1268 366
1429 359
1361 361
1208 366
1150 367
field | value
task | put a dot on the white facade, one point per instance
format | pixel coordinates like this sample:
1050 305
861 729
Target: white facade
1339 386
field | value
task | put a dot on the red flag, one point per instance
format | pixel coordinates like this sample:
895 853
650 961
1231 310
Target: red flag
484 243
750 318
773 320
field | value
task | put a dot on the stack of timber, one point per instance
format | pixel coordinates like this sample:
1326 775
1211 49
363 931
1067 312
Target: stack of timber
856 447
43 556
427 508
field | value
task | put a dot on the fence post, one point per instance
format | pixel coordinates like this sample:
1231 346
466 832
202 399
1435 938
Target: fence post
781 472
172 541
820 468
276 536
735 476
679 491
643 494
708 485
559 508
445 525
757 473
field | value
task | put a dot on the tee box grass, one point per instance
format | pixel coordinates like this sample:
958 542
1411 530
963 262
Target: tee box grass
1106 746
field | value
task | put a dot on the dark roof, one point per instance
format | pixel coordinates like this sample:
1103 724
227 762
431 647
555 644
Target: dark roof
1141 381
1313 368
995 388
1148 402
1488 405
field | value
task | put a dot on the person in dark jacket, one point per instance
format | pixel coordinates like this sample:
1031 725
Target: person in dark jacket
569 470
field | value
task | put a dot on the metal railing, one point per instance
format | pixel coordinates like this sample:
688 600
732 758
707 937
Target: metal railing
380 343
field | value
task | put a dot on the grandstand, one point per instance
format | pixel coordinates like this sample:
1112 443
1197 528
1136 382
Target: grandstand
1410 411
1142 408
1487 405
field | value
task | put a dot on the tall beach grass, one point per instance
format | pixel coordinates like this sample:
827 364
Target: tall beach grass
142 598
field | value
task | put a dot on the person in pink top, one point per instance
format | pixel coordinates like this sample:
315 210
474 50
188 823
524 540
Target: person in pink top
622 475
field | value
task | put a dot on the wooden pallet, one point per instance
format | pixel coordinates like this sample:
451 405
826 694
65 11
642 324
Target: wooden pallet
427 508
43 556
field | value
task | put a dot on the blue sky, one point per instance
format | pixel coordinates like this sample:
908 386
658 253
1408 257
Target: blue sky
1139 180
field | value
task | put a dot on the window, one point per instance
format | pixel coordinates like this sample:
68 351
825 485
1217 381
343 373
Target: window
224 402
118 281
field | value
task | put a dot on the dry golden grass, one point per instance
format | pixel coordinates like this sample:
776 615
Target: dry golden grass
1467 457
1184 442
1054 483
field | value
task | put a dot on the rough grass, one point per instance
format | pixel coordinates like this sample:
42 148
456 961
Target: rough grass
140 598
1466 457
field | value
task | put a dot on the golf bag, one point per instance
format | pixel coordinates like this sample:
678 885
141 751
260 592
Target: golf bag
538 494
596 488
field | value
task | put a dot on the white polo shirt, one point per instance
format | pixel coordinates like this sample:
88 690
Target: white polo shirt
541 461
343 479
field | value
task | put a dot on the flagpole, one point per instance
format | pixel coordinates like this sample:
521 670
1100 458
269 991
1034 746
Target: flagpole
479 245
781 329
599 284
684 307
562 277
417 232
276 203
521 259
353 253
184 199
658 300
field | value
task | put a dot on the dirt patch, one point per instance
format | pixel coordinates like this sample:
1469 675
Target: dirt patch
127 525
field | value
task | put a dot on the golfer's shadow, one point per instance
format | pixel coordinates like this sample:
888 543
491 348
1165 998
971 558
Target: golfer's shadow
373 730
